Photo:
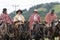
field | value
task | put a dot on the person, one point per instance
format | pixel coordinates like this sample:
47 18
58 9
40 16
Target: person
5 17
19 18
34 18
50 17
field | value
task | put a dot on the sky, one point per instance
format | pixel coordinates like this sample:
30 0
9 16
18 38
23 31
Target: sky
21 4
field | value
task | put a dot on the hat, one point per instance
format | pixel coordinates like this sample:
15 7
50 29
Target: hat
19 11
52 10
35 10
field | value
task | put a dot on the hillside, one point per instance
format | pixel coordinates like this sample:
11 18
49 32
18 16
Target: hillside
43 9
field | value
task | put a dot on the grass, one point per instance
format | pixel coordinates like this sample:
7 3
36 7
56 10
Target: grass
56 38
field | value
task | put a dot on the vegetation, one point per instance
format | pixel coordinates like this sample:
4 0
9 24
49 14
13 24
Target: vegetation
43 9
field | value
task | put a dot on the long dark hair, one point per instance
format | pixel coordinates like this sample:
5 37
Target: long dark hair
4 9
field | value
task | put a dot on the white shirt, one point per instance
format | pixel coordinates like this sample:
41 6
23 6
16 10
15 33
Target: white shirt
19 18
35 17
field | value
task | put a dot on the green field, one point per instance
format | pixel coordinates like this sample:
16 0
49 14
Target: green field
56 38
56 8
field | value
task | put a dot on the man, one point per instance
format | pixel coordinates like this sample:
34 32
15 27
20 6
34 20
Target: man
34 18
5 17
50 17
19 18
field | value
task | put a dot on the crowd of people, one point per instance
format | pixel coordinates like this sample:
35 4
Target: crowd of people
35 17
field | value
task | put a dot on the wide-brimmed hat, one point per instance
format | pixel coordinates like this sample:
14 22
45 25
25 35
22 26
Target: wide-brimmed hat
19 11
35 10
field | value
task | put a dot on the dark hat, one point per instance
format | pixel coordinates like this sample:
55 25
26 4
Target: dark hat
19 11
52 10
4 9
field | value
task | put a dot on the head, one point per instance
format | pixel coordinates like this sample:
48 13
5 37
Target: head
4 10
35 11
52 11
19 12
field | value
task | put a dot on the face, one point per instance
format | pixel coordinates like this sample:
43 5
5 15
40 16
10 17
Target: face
52 12
19 12
35 12
5 12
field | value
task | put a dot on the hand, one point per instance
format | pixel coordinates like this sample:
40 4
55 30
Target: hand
20 21
1 20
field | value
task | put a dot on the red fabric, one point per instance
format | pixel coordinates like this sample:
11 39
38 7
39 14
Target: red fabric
50 17
6 18
32 21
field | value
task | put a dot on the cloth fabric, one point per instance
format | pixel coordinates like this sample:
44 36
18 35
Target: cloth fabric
19 17
6 18
50 17
32 19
